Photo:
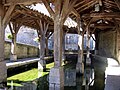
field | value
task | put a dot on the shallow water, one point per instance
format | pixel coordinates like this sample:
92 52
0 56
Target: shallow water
93 79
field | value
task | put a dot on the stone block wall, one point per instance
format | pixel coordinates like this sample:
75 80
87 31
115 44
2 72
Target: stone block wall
118 44
107 43
23 51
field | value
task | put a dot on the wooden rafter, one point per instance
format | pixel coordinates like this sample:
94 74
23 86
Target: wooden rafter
118 3
79 3
25 2
90 5
75 13
68 8
103 15
100 2
111 5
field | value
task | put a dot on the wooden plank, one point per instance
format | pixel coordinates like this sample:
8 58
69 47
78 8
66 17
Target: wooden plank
102 15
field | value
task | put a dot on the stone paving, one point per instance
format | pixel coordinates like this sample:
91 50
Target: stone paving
20 62
112 75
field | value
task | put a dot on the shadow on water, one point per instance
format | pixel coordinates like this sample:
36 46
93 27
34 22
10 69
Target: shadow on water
72 81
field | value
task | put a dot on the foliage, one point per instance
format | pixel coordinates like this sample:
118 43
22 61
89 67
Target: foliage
37 39
9 36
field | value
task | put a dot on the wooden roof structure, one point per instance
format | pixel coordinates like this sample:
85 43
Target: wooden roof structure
30 18
106 17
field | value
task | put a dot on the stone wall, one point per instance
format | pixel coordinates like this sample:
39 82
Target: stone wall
118 44
23 51
107 44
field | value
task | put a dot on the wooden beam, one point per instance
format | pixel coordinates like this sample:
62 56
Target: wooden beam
100 2
93 31
75 13
104 26
86 4
108 4
24 2
118 3
102 15
11 29
90 5
68 7
79 3
88 24
6 18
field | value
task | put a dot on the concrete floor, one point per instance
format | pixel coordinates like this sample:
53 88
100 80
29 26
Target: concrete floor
112 75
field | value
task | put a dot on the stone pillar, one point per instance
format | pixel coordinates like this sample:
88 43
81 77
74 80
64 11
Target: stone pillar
13 56
3 69
80 65
42 62
56 78
56 75
88 59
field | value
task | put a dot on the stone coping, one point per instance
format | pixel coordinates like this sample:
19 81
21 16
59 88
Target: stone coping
20 62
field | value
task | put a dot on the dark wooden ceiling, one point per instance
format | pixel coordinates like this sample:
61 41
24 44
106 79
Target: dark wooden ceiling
107 16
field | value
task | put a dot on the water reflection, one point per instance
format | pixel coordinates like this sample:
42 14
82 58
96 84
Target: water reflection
93 79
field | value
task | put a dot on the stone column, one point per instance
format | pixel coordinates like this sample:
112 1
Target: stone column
88 59
80 65
13 56
3 69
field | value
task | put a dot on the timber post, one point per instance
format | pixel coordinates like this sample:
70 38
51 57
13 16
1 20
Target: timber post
3 69
88 59
14 30
80 65
46 49
59 15
43 27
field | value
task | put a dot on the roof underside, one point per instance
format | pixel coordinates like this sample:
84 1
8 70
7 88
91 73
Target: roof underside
102 14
